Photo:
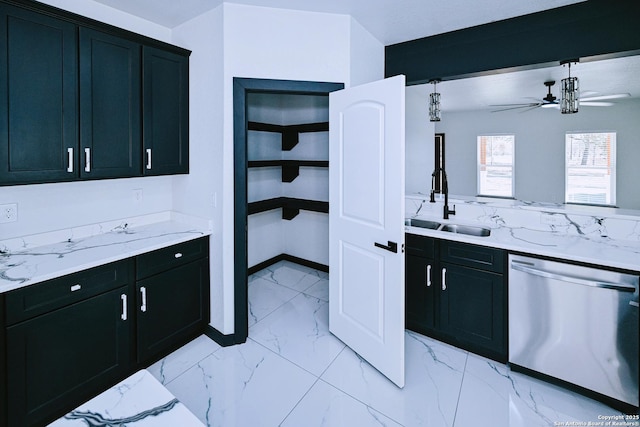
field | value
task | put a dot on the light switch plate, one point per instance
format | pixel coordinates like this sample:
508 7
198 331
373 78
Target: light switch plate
8 212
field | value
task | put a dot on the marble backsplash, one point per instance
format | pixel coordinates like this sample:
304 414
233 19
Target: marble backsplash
559 219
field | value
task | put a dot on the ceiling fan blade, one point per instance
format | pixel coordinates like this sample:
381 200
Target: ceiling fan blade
595 104
587 93
550 105
605 97
529 106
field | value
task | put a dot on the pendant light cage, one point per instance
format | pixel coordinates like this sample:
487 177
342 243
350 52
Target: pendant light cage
434 104
569 91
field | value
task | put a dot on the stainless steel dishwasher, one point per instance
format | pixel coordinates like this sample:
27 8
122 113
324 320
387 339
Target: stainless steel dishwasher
575 323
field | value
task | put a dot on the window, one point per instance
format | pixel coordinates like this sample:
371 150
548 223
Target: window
590 168
495 165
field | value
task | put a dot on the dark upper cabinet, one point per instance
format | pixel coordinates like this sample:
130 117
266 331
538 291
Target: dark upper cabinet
38 98
165 112
81 100
110 118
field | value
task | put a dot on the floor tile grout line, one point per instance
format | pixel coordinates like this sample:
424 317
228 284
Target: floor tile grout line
196 363
275 309
300 400
464 374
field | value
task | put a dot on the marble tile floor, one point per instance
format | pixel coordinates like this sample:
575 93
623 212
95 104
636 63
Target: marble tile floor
293 372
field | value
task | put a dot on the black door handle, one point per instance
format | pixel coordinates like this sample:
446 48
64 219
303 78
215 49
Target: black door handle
390 246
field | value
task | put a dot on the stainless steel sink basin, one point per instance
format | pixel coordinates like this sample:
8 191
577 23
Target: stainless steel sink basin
466 229
422 223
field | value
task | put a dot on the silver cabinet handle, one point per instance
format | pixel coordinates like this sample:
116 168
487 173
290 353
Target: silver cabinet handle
444 279
76 287
123 297
143 294
178 255
148 158
633 303
428 275
70 158
87 159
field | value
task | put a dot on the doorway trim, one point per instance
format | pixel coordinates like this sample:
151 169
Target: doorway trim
241 88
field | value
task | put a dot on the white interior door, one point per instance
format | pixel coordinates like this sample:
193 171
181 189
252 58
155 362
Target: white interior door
366 222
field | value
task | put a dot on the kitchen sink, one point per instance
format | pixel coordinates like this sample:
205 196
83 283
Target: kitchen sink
466 229
422 223
450 228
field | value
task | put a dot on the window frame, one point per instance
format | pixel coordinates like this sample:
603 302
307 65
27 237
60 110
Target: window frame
612 166
479 165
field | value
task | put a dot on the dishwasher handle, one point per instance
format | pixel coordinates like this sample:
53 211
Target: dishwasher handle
572 279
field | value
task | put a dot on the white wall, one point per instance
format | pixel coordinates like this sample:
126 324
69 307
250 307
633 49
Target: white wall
229 41
253 42
201 192
268 234
540 145
48 207
539 161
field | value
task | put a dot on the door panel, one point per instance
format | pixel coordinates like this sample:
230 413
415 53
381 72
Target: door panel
110 124
366 214
365 310
362 190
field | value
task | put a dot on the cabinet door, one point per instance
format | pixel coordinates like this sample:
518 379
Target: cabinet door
472 308
165 112
420 293
172 308
110 93
59 359
38 107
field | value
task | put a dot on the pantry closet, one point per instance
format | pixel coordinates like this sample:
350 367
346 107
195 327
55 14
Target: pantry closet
281 179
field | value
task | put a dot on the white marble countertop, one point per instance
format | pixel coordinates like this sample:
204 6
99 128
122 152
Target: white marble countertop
139 400
32 259
604 251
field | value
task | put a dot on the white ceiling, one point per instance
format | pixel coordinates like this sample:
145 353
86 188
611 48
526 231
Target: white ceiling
390 21
394 21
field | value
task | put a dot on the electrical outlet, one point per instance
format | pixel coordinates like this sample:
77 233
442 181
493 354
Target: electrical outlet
9 212
552 219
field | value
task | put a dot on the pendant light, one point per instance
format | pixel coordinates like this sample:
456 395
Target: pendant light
434 103
569 95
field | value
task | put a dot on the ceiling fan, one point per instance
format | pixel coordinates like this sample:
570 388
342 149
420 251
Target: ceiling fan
587 99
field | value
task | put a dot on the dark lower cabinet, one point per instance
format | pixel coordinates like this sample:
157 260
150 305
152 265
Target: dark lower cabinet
420 294
70 338
56 359
172 307
472 308
38 97
456 292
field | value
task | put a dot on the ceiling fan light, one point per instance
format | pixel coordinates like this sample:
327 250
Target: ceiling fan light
569 91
